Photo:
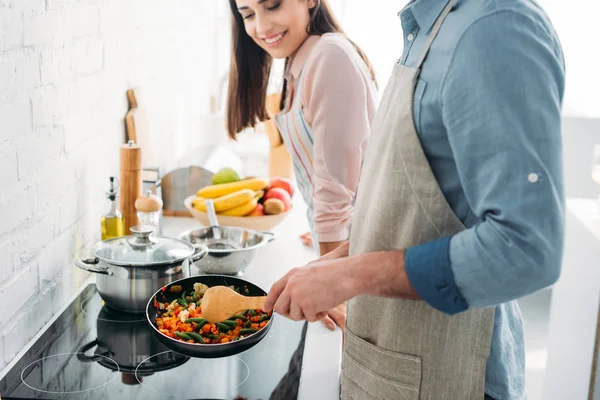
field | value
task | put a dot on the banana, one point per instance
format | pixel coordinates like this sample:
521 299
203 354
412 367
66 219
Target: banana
243 209
226 202
215 191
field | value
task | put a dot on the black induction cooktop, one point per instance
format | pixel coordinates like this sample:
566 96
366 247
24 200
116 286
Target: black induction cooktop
93 352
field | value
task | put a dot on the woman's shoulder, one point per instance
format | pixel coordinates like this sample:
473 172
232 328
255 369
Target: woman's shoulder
334 52
335 45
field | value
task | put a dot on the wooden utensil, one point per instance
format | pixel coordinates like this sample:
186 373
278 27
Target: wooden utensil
138 126
129 117
220 302
280 161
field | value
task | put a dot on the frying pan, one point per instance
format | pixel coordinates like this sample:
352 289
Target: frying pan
205 350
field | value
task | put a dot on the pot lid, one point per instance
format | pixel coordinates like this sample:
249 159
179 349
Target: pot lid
142 249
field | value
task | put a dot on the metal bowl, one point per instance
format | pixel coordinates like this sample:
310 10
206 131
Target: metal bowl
231 253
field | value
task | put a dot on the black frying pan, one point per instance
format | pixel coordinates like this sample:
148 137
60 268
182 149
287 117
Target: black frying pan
205 350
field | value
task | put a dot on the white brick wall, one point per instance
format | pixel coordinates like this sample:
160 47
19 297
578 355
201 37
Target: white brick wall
64 68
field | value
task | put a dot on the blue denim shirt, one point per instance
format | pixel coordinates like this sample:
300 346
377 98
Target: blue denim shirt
487 110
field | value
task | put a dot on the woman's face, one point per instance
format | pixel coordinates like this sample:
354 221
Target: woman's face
278 26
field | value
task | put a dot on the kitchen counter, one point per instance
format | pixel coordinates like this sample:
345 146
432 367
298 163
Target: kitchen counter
323 348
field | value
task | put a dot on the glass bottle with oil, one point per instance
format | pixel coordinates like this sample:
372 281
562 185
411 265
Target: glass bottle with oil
112 223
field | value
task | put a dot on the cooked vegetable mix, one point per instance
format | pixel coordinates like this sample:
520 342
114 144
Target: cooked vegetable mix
182 319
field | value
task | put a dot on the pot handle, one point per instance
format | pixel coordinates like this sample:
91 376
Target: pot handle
201 252
87 264
270 236
81 356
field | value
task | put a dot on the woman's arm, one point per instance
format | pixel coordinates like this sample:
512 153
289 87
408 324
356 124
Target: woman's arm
327 247
339 104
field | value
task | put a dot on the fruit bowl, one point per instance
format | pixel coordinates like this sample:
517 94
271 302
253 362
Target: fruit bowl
258 223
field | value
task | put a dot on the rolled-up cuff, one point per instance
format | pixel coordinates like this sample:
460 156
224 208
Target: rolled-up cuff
429 272
333 236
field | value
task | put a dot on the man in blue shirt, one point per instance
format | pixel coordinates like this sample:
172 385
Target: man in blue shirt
486 109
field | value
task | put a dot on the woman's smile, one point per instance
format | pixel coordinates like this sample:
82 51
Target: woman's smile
275 40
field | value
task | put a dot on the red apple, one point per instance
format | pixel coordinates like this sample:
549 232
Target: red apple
258 211
281 194
284 183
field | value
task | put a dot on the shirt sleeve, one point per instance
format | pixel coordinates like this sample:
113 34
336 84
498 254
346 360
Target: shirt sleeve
501 105
338 105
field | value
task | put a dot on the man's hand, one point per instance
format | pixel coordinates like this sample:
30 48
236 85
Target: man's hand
311 291
335 316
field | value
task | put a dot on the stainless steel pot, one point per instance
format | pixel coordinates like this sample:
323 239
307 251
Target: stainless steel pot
230 251
131 268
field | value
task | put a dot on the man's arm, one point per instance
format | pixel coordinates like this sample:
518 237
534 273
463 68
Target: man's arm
501 104
310 291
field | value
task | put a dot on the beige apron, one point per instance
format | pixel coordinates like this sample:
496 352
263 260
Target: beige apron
402 349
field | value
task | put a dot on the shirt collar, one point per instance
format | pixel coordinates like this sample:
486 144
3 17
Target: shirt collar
298 60
425 12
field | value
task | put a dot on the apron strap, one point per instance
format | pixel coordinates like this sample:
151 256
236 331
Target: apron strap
434 32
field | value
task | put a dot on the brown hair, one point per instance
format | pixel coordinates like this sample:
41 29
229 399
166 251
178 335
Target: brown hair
251 65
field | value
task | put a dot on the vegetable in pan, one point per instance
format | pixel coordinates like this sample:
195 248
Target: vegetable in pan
182 319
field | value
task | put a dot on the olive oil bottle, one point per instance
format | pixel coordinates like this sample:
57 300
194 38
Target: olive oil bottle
112 223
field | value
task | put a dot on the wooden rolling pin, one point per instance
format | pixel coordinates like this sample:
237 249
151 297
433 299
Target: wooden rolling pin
130 182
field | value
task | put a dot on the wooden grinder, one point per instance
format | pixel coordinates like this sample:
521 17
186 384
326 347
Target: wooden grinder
131 182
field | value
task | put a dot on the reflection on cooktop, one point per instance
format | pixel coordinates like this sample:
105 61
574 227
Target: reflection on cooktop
33 374
93 352
208 375
95 308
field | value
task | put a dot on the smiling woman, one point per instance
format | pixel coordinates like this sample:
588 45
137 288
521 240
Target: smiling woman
328 104
261 31
281 34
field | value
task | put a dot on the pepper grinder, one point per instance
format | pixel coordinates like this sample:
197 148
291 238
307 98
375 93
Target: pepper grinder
149 210
131 182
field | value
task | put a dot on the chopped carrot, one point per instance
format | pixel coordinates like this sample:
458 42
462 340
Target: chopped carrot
169 323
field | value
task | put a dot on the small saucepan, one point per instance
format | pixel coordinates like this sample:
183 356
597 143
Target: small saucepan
131 268
175 290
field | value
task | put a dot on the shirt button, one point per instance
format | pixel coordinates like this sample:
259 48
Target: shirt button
533 178
410 37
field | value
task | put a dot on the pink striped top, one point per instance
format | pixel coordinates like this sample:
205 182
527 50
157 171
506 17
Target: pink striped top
338 99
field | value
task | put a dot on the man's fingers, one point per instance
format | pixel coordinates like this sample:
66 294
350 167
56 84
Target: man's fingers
338 316
273 295
282 306
317 317
296 313
329 324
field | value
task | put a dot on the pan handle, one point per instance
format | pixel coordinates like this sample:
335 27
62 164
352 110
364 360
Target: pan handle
81 356
90 264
